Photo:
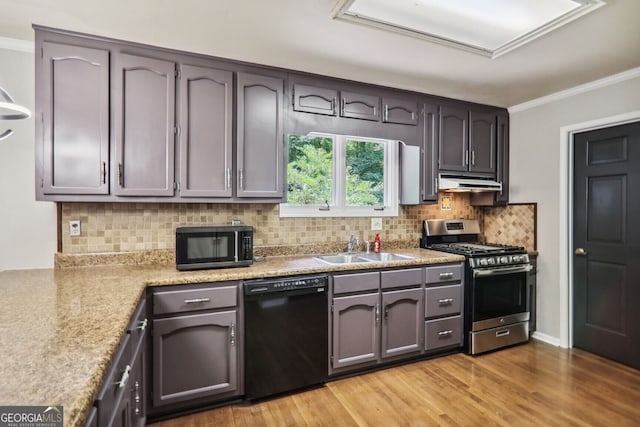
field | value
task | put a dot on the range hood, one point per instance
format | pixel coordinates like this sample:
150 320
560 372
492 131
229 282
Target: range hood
467 184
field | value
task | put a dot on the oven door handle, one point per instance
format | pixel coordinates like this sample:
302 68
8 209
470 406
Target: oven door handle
504 270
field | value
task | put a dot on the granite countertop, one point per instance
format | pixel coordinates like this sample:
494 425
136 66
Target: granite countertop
59 329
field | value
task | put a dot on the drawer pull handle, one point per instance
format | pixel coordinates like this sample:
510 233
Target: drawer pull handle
143 325
445 276
197 300
125 377
445 301
502 333
445 333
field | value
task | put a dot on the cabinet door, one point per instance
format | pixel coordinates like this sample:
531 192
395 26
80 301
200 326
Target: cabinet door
482 142
359 106
194 356
356 330
260 152
310 99
402 322
400 111
502 166
429 151
453 142
144 104
75 114
206 113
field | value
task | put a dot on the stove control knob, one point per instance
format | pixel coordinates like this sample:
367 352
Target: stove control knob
504 260
483 261
491 261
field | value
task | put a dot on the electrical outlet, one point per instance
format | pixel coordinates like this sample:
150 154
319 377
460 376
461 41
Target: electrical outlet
376 224
74 228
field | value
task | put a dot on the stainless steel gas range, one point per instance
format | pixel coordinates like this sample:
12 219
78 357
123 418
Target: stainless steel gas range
496 305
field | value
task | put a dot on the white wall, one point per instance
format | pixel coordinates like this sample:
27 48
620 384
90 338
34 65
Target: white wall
539 168
27 228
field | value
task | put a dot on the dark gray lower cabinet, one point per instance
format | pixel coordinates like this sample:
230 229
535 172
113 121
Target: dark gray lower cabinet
401 322
196 346
443 307
194 356
356 330
374 321
120 400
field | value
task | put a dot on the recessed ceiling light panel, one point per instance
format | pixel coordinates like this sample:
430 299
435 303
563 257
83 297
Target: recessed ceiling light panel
488 27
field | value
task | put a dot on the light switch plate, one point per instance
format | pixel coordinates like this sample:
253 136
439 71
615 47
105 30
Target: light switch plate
376 224
74 228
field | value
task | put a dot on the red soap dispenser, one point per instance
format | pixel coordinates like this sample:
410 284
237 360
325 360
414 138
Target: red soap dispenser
376 244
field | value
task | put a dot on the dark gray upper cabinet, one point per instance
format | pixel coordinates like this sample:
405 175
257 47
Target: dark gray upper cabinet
429 150
260 140
453 139
143 116
400 111
502 167
311 99
359 106
467 141
73 96
482 142
206 143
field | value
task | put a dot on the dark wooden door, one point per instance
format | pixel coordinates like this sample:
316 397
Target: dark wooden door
606 241
356 330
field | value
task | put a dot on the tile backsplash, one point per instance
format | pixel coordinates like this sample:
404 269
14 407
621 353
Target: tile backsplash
511 225
126 227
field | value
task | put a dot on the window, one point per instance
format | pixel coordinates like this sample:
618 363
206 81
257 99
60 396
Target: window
337 175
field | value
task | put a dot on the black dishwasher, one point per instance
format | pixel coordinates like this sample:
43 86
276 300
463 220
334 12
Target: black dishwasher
286 334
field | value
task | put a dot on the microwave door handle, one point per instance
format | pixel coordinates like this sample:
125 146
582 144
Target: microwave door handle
237 243
507 270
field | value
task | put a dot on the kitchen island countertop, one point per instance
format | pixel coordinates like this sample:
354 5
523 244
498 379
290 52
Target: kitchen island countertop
59 329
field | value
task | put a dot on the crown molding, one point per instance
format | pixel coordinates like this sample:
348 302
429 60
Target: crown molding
577 90
17 44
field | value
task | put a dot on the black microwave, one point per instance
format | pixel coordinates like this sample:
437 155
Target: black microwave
214 246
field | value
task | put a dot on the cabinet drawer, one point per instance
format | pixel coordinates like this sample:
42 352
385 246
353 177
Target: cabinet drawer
115 384
445 273
397 278
442 333
194 299
356 282
442 300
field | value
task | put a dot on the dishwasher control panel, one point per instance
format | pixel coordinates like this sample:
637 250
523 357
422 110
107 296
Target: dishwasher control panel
318 282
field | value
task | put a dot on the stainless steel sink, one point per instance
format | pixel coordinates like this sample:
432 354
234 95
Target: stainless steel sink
385 256
341 259
362 258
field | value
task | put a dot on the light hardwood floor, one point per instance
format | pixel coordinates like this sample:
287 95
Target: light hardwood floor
535 384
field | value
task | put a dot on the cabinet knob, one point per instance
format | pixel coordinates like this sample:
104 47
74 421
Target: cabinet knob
581 252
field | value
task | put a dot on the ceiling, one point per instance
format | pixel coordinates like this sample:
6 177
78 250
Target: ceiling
301 35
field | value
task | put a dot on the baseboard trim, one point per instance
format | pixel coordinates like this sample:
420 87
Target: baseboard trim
547 338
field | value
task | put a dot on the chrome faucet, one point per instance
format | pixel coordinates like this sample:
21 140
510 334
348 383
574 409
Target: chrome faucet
353 242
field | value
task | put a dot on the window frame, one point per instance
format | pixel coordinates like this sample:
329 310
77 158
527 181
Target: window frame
338 207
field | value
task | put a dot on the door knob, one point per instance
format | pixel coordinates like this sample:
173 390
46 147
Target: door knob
580 251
